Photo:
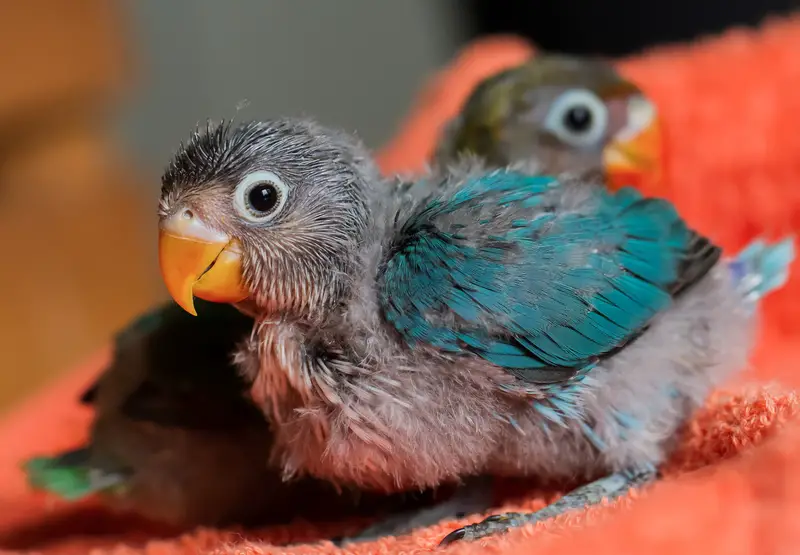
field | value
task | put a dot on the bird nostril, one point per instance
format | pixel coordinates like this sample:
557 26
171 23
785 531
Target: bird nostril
187 214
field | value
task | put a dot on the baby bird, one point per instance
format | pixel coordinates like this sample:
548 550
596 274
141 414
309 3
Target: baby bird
567 113
497 322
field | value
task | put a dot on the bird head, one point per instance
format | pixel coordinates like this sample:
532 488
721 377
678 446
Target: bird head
567 114
266 214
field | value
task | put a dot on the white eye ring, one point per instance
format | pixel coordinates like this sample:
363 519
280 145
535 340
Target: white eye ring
263 207
555 122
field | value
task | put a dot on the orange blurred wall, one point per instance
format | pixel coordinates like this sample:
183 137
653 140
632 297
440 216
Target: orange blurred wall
77 258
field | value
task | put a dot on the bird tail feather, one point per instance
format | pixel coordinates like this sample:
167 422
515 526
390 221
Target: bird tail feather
761 268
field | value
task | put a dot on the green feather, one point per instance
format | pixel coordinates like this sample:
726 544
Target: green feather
71 482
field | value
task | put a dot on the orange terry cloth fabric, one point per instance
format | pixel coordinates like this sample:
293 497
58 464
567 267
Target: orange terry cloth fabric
731 110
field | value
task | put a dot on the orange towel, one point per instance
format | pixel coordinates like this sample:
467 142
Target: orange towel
731 109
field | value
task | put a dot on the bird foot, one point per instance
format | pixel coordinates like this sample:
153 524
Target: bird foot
493 525
609 487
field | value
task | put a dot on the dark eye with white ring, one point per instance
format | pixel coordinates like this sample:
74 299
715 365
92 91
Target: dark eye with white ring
578 118
260 196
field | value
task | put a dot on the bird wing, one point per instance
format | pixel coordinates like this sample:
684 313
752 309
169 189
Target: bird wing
534 275
184 369
134 335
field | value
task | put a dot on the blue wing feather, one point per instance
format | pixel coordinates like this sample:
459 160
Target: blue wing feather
510 268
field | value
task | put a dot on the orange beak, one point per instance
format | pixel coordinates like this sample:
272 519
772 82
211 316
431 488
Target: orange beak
634 157
197 261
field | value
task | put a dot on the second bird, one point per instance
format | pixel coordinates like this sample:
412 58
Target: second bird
564 113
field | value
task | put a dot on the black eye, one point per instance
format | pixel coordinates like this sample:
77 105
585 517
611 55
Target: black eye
263 197
578 119
260 196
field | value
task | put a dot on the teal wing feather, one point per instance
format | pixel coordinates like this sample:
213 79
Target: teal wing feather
506 269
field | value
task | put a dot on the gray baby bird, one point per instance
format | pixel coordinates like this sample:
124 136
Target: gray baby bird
494 321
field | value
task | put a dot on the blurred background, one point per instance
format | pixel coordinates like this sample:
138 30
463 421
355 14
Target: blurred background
95 95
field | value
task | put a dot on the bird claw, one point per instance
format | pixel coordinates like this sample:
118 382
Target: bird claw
608 487
495 524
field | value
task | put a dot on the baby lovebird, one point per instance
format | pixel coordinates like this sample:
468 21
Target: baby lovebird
493 322
568 113
174 438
